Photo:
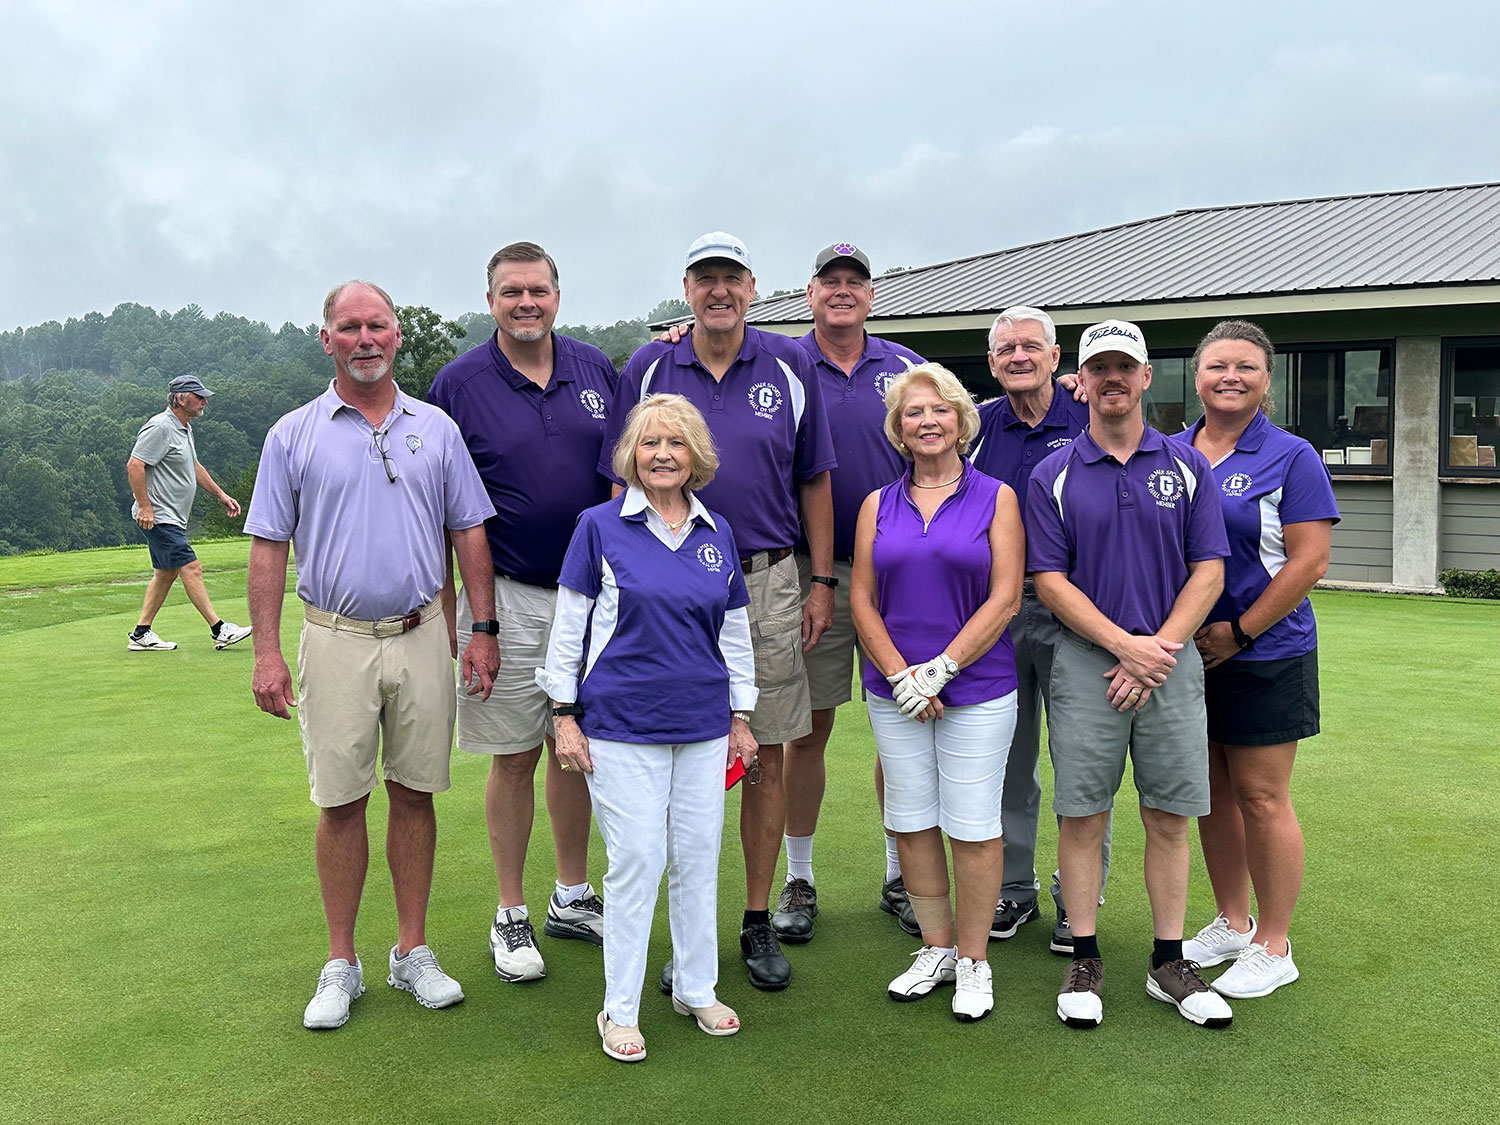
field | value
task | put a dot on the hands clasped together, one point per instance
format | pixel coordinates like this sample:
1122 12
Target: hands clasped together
916 687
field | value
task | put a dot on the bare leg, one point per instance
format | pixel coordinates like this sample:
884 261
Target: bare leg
197 592
1166 871
410 841
156 594
978 873
1222 836
807 775
1078 841
762 821
509 807
924 867
343 856
569 808
1262 777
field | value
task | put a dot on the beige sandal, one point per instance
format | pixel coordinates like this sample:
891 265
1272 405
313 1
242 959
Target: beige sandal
617 1038
710 1019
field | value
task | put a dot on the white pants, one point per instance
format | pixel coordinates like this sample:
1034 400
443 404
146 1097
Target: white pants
946 773
659 808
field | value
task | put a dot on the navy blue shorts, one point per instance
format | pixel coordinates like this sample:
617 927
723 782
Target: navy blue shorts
1263 702
169 546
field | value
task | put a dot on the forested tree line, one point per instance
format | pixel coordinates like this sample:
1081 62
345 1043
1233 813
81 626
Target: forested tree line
73 396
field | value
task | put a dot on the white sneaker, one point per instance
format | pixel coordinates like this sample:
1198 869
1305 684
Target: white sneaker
1080 1003
148 642
974 994
1217 943
513 942
930 967
1257 972
339 985
582 919
418 973
231 634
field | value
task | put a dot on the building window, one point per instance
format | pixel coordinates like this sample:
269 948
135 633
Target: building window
1338 398
1471 391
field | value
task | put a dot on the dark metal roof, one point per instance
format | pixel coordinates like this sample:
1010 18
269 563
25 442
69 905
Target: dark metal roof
1433 236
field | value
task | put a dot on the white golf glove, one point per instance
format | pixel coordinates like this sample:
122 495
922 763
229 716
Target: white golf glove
915 687
933 676
910 700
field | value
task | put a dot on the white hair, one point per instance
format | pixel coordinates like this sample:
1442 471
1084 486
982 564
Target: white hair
1017 313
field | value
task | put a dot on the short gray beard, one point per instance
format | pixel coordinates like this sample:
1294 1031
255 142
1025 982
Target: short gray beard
526 335
379 374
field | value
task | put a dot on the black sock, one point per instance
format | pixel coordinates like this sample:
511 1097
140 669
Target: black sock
756 917
140 631
215 627
1085 948
1165 951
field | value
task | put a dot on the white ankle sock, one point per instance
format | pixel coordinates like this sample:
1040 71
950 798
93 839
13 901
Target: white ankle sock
566 896
799 858
892 860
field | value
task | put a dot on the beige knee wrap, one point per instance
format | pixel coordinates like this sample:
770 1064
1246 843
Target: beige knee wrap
934 914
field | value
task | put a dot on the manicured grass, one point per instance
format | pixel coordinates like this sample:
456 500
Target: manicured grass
163 929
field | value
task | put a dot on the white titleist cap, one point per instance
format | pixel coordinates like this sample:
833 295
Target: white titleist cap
718 244
1112 336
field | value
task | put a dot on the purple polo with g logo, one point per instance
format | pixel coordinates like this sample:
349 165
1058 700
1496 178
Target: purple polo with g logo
1124 534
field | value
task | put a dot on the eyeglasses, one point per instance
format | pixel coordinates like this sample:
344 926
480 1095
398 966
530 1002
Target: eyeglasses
383 443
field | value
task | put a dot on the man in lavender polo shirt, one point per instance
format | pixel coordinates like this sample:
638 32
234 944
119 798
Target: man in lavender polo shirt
365 480
1127 546
1016 433
532 407
764 406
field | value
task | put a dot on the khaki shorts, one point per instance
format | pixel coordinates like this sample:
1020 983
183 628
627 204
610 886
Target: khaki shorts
831 663
360 694
783 711
518 714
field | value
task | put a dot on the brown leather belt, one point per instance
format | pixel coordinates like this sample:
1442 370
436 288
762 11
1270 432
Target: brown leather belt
762 559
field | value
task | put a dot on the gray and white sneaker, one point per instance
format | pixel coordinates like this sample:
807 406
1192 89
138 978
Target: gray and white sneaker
148 642
1062 935
974 992
582 919
339 985
231 634
1257 972
419 974
930 967
1216 943
513 943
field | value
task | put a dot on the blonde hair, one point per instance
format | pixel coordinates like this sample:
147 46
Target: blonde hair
679 416
947 388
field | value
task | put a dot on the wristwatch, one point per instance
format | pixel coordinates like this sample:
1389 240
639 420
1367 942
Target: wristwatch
1241 638
567 709
831 583
492 627
744 716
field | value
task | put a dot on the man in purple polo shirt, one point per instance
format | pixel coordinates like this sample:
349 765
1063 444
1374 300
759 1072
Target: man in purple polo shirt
764 405
1016 433
365 480
532 407
1127 546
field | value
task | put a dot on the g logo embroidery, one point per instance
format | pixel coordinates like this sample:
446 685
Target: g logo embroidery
711 557
593 402
1166 486
883 381
765 400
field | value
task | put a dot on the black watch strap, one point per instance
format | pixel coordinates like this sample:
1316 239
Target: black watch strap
827 581
491 626
1241 638
567 709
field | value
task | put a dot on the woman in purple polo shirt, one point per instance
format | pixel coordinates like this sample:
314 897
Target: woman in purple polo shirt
938 560
653 678
1260 655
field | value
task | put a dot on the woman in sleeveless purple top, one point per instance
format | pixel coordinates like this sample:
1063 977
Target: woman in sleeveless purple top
938 561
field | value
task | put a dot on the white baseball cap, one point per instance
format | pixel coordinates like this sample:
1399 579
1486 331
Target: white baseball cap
718 244
1112 336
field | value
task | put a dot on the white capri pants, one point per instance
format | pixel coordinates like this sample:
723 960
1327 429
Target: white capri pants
947 773
659 808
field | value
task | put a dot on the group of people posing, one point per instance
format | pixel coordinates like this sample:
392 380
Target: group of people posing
667 575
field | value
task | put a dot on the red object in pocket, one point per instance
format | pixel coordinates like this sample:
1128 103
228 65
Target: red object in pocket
734 774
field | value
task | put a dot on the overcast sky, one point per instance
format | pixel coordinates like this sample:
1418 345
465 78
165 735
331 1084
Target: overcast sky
246 156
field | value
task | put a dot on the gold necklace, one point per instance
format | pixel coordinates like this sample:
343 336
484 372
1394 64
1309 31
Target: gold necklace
945 483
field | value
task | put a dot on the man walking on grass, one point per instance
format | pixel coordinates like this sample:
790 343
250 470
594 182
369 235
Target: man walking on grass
365 480
164 474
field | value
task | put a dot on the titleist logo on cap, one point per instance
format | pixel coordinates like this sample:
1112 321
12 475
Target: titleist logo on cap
1104 330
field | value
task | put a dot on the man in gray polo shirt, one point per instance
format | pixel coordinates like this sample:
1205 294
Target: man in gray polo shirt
164 475
366 481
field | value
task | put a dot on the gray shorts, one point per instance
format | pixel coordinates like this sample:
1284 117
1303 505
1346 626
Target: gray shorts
783 711
831 664
518 714
1167 739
